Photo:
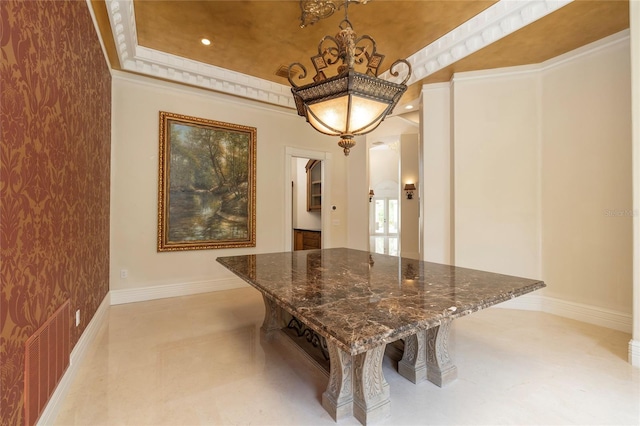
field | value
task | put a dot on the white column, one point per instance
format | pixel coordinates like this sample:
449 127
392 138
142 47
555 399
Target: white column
436 186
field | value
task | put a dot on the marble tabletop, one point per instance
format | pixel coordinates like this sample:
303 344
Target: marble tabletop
361 300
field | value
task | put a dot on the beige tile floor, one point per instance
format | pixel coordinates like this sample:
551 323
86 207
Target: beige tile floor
198 360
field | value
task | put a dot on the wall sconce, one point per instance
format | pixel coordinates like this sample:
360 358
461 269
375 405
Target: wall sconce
409 187
371 194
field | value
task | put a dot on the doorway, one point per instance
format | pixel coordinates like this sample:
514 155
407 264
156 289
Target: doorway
384 207
294 156
306 208
384 224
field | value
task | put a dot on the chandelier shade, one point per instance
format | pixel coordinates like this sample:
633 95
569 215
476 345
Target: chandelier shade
351 103
348 104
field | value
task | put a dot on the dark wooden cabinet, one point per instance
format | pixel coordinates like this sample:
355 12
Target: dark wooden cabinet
314 185
306 240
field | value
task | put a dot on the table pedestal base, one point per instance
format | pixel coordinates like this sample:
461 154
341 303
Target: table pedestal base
440 368
357 386
338 398
426 356
272 322
413 365
371 400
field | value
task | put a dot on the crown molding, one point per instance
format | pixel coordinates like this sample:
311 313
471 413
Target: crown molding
489 26
506 72
143 80
154 63
587 50
492 24
436 86
550 64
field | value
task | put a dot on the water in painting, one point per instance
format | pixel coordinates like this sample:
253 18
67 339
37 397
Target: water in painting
209 182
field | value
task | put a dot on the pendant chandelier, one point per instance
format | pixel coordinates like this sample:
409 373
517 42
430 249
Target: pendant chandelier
349 103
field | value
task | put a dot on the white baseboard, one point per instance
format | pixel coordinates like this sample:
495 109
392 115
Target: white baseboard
174 290
77 355
586 313
590 314
634 353
528 302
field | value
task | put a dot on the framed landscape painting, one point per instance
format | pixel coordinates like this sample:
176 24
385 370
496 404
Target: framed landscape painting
207 184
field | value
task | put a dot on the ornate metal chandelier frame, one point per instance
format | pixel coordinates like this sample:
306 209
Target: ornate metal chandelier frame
349 51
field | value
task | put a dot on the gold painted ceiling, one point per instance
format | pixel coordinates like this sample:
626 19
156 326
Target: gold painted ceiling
258 37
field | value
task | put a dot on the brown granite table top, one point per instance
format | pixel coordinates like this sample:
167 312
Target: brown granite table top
361 300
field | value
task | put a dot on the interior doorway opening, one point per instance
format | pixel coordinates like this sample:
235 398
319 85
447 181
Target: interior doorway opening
306 206
297 162
384 205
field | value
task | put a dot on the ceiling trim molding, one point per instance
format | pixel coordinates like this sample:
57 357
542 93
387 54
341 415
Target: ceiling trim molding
153 63
492 24
435 86
489 26
521 70
144 80
587 50
502 73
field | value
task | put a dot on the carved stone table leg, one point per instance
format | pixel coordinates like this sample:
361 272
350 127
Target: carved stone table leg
371 400
338 398
413 365
272 321
440 369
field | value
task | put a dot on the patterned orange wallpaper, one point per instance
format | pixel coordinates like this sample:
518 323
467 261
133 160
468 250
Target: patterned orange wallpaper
55 120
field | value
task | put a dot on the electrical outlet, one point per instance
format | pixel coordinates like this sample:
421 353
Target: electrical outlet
78 317
124 273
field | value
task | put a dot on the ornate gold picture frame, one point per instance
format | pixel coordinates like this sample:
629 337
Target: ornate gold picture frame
206 184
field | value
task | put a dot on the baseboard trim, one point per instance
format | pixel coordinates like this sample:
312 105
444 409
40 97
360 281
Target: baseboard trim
586 313
78 353
634 353
590 314
528 302
142 294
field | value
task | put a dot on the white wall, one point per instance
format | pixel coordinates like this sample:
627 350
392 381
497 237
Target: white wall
586 178
136 103
409 209
496 172
357 175
634 18
384 166
541 178
436 192
384 160
302 219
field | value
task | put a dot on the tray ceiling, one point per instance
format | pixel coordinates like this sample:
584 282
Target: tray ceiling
252 40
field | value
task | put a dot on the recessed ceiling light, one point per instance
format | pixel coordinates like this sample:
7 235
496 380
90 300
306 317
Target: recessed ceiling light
408 106
205 41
